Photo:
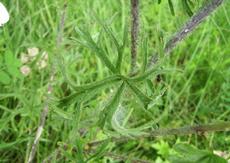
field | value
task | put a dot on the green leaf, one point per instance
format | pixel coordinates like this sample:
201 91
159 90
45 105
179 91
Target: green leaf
187 8
63 114
189 154
145 52
162 148
99 151
171 7
108 32
90 44
121 50
116 124
85 92
74 133
80 153
12 64
107 114
150 85
10 145
150 73
145 100
106 81
4 78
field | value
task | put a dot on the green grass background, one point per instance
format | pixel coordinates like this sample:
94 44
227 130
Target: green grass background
198 93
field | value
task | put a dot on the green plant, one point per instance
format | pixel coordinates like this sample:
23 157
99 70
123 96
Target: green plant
92 105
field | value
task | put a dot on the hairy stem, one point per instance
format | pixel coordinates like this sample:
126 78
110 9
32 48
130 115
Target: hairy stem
188 28
134 33
49 91
188 130
192 24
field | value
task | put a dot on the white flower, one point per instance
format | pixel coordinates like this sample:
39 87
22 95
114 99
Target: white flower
32 52
4 15
41 64
24 58
25 70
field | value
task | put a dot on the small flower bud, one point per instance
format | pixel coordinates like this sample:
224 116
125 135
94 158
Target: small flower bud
25 70
33 52
24 58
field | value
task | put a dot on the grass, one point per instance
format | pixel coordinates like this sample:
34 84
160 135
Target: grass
195 90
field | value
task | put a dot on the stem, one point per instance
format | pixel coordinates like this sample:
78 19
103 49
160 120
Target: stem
188 130
192 24
188 28
134 33
49 91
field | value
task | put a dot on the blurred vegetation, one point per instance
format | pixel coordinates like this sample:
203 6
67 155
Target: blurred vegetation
192 86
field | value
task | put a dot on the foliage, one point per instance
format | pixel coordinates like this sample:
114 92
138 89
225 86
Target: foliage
96 88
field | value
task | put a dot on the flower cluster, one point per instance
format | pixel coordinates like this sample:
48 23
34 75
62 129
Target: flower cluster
30 56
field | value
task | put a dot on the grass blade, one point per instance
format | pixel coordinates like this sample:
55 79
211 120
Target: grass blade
187 8
171 7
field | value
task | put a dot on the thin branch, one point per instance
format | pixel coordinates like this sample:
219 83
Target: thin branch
188 130
134 33
49 91
192 24
189 27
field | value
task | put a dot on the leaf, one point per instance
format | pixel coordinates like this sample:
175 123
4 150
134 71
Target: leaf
145 100
108 32
150 86
99 151
189 154
121 50
187 8
162 148
74 133
9 145
86 91
90 44
80 154
150 73
171 7
106 81
63 114
12 64
117 122
145 56
107 114
4 78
